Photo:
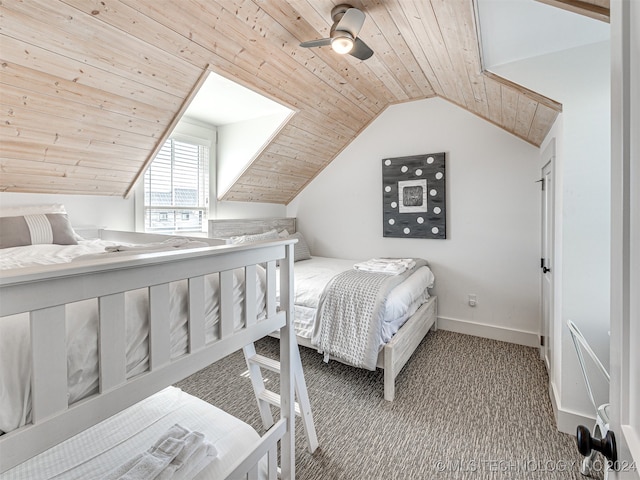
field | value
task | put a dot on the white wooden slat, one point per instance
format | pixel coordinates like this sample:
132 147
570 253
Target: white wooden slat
252 474
255 374
265 445
271 288
49 356
112 343
287 345
159 328
196 313
226 303
250 295
272 458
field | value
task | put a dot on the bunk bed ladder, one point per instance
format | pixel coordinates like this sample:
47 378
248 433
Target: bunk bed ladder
266 398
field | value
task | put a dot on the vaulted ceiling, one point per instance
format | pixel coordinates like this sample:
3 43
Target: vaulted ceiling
91 88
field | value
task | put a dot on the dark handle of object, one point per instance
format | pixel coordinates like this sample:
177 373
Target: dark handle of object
545 269
606 446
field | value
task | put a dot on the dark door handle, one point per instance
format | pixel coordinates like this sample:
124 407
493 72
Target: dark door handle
606 446
545 269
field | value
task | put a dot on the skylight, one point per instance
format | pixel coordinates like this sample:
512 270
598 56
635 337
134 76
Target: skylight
518 29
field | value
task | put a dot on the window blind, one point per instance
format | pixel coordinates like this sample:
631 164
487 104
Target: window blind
176 188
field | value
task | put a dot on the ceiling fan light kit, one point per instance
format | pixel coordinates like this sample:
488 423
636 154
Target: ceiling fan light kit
343 37
342 43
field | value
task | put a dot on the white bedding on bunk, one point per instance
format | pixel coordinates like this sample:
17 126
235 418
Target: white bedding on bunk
94 452
311 277
81 329
47 254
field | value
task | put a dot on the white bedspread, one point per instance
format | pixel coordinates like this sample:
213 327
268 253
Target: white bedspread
311 277
94 452
29 256
81 329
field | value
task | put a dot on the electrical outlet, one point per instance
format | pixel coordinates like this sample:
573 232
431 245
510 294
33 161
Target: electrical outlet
473 299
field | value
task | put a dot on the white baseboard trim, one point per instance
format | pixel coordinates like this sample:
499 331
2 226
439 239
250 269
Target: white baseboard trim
567 421
520 337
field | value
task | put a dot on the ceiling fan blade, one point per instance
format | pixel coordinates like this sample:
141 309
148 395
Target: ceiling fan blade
351 22
316 43
361 50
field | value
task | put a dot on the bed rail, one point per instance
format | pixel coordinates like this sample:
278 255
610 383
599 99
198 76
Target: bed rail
44 292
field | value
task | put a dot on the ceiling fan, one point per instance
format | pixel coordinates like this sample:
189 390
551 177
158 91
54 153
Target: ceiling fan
343 37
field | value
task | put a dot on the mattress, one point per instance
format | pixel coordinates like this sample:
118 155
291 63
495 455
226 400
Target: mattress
81 329
94 452
312 276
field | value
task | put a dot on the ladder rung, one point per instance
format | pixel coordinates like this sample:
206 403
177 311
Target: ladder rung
268 363
274 399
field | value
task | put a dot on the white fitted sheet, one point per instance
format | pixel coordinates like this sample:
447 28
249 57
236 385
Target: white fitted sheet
81 329
94 452
312 276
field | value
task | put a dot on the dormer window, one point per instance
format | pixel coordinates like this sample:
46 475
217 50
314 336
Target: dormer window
176 188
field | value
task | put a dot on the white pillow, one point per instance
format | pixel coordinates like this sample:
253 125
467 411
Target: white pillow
21 210
257 237
300 249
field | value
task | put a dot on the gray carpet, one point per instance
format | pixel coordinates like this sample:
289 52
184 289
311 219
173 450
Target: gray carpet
465 408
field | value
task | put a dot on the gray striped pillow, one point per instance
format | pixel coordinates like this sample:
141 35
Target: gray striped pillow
47 228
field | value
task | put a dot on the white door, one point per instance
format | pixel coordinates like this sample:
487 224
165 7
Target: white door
625 236
546 256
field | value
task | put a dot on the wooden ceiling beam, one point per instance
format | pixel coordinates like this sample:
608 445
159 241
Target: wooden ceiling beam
598 9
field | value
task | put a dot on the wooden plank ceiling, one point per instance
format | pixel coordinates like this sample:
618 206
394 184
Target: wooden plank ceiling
91 87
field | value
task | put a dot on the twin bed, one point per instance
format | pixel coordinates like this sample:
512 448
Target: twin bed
90 346
409 310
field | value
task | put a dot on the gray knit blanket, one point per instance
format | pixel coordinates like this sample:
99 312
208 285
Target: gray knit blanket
349 316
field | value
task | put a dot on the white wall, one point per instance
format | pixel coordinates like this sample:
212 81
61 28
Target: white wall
579 78
114 213
493 219
240 142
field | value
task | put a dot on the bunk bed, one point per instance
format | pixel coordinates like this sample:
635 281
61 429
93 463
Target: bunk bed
94 431
403 333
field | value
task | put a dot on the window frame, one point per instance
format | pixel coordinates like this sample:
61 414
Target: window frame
140 197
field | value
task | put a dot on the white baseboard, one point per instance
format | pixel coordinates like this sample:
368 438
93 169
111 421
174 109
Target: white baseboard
567 421
520 337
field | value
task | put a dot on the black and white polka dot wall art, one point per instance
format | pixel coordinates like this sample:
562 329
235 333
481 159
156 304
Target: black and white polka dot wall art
414 194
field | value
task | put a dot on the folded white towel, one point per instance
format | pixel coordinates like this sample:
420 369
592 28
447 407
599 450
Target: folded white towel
150 464
389 266
195 455
153 463
179 453
202 456
176 431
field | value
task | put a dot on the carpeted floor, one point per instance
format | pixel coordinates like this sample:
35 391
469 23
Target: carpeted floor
465 408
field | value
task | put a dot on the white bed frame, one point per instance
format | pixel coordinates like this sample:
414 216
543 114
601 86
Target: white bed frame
395 354
44 292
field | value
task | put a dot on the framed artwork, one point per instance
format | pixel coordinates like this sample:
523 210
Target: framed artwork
414 195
